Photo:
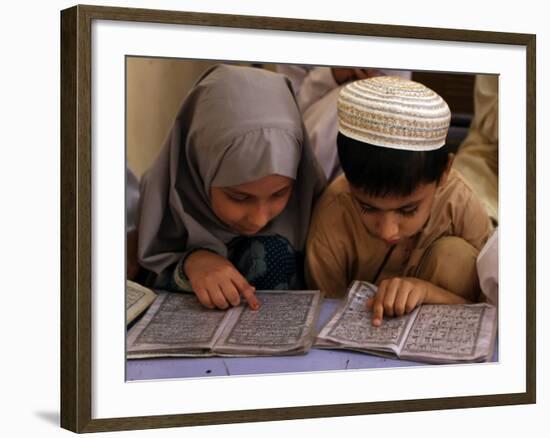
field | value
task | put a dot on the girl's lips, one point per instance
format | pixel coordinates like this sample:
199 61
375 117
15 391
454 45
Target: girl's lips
249 231
392 242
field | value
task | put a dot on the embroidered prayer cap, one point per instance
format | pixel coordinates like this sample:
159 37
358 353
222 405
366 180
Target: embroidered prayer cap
393 112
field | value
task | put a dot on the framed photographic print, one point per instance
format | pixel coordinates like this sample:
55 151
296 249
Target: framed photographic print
124 76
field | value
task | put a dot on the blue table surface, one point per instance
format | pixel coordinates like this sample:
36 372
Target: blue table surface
314 360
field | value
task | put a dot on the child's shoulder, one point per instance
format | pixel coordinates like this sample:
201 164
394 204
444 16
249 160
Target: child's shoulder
460 212
456 188
457 202
337 193
334 205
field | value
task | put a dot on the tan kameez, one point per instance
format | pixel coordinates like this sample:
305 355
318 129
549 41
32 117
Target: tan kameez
340 249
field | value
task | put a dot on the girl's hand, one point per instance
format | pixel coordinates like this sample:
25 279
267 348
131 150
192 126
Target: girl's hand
216 282
397 296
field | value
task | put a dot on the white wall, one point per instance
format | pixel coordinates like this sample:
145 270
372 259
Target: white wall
29 179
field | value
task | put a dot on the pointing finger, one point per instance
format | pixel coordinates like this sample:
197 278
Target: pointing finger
250 296
247 291
378 306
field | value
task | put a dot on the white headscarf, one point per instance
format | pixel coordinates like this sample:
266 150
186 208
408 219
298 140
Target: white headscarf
237 125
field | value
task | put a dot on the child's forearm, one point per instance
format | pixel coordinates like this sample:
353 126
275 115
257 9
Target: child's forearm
438 295
179 279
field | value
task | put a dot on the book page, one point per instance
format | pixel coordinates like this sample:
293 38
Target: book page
138 298
452 333
284 323
175 323
351 326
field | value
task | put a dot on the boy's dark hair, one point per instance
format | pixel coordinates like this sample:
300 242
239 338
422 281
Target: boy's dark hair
381 171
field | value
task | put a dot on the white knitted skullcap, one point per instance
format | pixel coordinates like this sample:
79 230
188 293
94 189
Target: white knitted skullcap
393 112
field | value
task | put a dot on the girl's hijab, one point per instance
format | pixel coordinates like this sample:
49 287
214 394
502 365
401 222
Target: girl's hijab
237 125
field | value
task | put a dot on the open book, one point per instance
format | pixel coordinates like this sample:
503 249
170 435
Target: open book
138 298
178 325
431 333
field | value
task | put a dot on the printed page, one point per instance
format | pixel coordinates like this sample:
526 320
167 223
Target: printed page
138 298
284 324
452 333
176 325
351 326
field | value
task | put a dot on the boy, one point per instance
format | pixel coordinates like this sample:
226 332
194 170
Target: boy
399 217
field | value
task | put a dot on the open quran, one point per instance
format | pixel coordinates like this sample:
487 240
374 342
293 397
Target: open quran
138 298
431 333
177 325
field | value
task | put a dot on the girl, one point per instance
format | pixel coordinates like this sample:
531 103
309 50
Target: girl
226 206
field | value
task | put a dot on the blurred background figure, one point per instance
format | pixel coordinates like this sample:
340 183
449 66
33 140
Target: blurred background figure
487 270
477 157
317 90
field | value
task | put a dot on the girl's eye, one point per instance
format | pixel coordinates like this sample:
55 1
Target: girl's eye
280 193
409 212
236 197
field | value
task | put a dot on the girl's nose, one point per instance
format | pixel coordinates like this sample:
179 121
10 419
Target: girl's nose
259 217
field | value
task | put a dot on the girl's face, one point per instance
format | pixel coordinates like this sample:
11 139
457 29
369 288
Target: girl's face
248 208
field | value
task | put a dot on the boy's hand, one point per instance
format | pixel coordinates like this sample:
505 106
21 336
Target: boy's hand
397 296
216 282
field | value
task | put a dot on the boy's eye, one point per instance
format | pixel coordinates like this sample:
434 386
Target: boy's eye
366 208
408 211
404 212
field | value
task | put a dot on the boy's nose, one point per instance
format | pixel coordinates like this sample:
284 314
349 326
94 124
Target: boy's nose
388 228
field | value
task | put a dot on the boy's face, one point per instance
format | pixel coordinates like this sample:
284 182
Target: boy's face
394 218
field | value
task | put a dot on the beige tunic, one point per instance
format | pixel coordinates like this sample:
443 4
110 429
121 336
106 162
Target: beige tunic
339 248
477 158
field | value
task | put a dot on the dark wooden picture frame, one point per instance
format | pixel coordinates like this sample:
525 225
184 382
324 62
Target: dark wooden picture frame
76 222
